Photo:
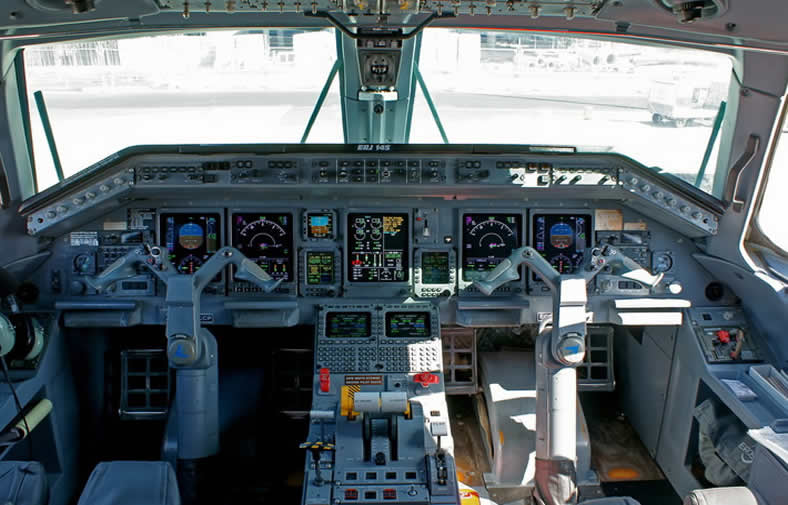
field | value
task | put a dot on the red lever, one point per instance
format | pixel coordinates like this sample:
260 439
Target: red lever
724 336
325 380
426 378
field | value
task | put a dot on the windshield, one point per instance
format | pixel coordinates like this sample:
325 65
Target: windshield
663 107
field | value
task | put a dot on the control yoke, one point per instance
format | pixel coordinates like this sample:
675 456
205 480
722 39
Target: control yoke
558 352
183 291
593 262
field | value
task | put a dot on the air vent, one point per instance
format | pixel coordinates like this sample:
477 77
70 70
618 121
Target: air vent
145 384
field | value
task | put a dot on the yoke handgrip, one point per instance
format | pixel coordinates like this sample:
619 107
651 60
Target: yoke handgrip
122 268
507 270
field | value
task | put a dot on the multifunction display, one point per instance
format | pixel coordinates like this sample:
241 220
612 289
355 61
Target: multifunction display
486 240
435 267
408 325
562 239
348 324
378 247
267 239
320 225
190 239
319 267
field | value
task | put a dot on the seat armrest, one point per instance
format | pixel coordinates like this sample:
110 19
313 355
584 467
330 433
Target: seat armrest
723 496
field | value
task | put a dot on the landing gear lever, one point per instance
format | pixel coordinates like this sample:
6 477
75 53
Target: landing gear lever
558 352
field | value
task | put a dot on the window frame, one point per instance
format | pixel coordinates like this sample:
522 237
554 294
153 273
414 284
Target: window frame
757 242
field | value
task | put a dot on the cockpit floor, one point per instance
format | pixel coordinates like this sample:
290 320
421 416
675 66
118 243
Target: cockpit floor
617 454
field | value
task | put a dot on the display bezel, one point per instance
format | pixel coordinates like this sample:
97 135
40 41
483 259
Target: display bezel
408 253
320 289
197 211
424 290
369 324
305 225
533 213
389 315
434 315
291 283
466 286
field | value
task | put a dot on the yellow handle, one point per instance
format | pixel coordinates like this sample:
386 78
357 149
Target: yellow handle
35 416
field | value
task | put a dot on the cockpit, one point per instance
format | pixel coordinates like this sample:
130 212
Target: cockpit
433 252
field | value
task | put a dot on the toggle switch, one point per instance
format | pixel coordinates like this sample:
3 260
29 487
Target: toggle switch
325 380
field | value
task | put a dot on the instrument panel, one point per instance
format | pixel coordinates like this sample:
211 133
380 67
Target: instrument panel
378 247
190 238
562 238
267 239
384 228
392 253
487 239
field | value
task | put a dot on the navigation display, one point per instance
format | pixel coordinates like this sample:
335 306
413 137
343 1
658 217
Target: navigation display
486 240
348 325
319 267
190 239
266 239
378 247
435 267
408 325
562 239
320 225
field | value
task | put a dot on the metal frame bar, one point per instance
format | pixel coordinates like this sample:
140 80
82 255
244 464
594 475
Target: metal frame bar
320 99
430 104
42 112
342 98
24 104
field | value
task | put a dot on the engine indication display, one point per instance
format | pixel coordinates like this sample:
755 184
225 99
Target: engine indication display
190 239
378 247
435 267
348 324
408 325
562 239
486 240
266 239
319 267
320 225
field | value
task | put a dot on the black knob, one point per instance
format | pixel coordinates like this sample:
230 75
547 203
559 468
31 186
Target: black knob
380 459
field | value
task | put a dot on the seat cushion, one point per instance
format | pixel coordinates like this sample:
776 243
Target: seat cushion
612 500
23 483
723 496
131 483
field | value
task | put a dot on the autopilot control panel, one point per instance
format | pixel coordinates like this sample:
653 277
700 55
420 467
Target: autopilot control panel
379 427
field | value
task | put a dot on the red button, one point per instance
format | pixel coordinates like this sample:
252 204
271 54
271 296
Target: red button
325 380
724 336
426 378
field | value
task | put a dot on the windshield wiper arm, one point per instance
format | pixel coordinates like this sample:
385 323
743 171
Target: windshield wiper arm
430 103
44 115
321 98
710 145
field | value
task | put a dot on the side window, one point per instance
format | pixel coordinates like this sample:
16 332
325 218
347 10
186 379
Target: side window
774 205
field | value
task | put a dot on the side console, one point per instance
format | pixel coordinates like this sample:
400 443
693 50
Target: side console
379 430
